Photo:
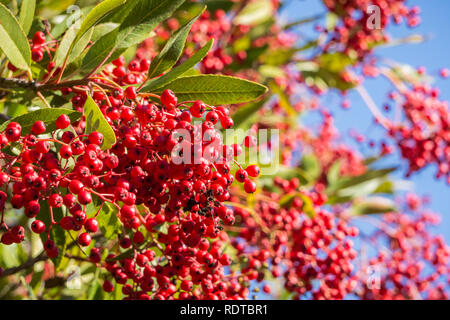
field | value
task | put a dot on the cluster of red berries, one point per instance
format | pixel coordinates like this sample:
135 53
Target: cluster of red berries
357 30
280 239
424 135
414 265
140 178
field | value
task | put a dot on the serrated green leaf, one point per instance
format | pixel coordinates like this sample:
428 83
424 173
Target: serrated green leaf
95 121
108 222
142 17
27 14
215 89
48 116
172 50
179 70
13 41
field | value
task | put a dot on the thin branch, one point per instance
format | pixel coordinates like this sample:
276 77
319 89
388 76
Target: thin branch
373 107
27 264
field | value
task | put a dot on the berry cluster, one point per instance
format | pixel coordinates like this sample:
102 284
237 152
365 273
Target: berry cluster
165 170
357 30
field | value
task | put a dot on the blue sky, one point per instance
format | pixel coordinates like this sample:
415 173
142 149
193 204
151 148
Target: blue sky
433 54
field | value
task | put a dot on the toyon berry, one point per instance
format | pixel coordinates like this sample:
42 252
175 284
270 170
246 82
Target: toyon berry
249 186
37 226
168 99
63 121
38 127
38 38
84 239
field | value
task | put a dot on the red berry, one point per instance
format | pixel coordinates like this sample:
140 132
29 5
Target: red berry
249 186
91 225
253 170
130 93
108 286
63 121
96 138
37 54
84 197
75 186
84 239
38 127
37 226
168 99
39 38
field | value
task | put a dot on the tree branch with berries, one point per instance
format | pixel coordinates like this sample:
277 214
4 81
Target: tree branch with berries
117 154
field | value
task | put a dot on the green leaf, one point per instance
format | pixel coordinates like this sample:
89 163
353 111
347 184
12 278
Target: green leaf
59 29
27 14
353 181
255 13
108 222
215 89
13 41
172 50
95 121
333 172
47 115
372 205
179 70
142 17
311 165
279 57
66 42
93 17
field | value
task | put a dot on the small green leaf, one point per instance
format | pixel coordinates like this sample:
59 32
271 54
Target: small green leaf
13 41
215 89
311 165
108 222
179 70
372 205
333 172
172 50
27 14
95 121
47 115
